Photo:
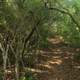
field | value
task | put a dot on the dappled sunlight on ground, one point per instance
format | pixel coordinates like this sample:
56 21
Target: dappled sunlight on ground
35 70
57 60
44 66
56 40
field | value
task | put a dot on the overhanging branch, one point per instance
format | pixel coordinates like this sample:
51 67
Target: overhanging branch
64 12
67 13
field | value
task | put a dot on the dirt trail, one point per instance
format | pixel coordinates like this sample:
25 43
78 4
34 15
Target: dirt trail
56 63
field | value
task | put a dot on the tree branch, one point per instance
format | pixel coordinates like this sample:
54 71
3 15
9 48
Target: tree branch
64 12
29 36
67 13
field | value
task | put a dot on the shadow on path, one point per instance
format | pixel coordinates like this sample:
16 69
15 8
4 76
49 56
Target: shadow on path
56 63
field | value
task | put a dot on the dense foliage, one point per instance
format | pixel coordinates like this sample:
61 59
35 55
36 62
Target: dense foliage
25 26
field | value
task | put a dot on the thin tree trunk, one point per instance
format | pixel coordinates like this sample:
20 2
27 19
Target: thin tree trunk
5 55
17 69
17 64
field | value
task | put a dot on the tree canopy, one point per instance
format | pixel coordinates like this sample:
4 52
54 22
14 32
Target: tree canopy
25 26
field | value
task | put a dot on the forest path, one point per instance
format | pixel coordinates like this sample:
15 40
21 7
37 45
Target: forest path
56 62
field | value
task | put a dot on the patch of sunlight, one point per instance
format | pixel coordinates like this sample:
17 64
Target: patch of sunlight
56 50
57 61
8 71
4 22
66 57
9 2
54 41
78 49
45 66
56 57
61 38
35 70
46 56
77 67
41 51
77 28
